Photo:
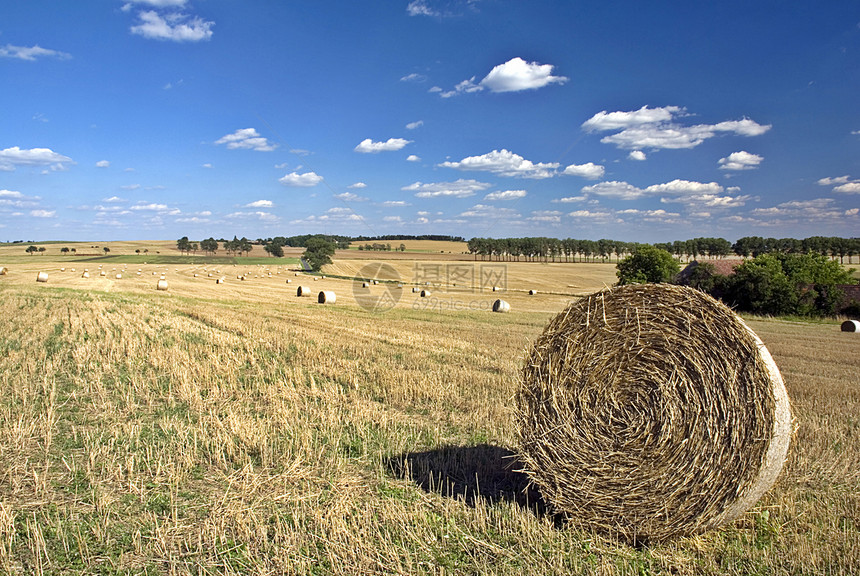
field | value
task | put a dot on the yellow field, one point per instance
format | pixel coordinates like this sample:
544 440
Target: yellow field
426 246
239 429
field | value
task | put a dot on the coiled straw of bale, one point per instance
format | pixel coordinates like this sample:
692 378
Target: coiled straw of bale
850 326
42 277
425 294
162 285
327 297
303 291
2 270
501 306
651 411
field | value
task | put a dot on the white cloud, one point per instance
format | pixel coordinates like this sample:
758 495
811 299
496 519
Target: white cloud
32 53
650 215
656 128
175 27
102 163
10 194
43 213
258 215
306 180
357 185
589 215
570 199
834 181
516 75
848 188
413 158
740 161
604 121
152 207
459 189
488 211
505 163
414 77
615 189
637 155
15 156
113 199
589 170
545 216
157 3
506 195
684 187
246 138
395 203
260 204
207 165
414 125
130 187
420 8
392 219
350 197
852 212
368 146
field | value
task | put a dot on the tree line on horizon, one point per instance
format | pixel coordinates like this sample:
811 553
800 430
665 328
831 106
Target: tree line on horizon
574 250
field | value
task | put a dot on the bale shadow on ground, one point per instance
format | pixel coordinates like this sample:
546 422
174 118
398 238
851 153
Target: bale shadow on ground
469 473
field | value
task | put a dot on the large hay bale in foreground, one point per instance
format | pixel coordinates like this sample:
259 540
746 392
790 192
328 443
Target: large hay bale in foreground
652 411
850 326
326 297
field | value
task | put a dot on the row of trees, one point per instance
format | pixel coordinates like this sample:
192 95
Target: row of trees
570 249
380 247
775 283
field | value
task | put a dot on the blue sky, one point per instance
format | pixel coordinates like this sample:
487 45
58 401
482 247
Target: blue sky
638 121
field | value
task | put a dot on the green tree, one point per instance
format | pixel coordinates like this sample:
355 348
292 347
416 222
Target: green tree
210 245
274 249
183 245
318 252
647 264
106 250
64 250
31 249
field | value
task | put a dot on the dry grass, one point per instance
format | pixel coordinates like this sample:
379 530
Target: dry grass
245 430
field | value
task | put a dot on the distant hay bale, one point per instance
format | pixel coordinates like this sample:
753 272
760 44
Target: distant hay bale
851 326
61 270
220 280
425 293
303 291
102 273
119 276
376 282
365 285
532 292
289 281
42 277
85 275
501 306
326 297
3 270
648 412
496 289
415 289
162 285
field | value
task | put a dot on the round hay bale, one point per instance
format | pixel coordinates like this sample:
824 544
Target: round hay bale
375 282
61 270
220 280
326 297
85 275
532 292
119 276
3 270
365 285
289 280
851 326
42 277
652 411
162 285
102 273
425 294
415 289
501 306
303 291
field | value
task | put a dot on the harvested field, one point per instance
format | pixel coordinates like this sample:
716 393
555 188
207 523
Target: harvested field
237 429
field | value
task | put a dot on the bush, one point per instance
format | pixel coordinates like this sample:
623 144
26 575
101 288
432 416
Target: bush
647 265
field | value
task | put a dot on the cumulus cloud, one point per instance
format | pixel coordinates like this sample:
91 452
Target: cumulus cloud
458 189
350 197
545 216
570 199
174 27
102 164
684 187
156 3
414 77
357 185
248 139
414 125
395 203
740 161
490 212
420 8
260 204
43 213
10 194
842 184
413 158
589 171
32 53
306 180
15 156
848 188
151 207
368 146
637 155
591 215
113 199
615 189
506 195
505 163
515 75
657 128
834 181
257 215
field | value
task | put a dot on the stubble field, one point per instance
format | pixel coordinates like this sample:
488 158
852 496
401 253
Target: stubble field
237 428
